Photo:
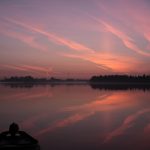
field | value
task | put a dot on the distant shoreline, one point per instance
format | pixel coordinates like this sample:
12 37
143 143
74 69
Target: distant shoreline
79 82
98 85
46 83
101 82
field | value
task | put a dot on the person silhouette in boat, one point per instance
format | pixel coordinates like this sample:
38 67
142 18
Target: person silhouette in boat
13 129
14 136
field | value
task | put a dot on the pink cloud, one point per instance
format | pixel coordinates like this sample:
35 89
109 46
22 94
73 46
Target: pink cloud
127 40
30 68
37 68
147 36
27 39
104 61
108 62
133 16
54 38
14 67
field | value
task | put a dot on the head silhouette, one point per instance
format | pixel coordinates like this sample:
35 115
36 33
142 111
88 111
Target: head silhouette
13 129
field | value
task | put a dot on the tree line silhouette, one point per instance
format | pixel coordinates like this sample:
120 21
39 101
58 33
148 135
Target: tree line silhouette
120 79
106 82
30 79
93 79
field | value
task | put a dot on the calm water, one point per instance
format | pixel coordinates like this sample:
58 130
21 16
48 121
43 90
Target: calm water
78 117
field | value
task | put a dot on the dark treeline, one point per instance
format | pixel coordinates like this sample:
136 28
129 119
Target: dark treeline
106 82
120 79
30 79
94 79
27 79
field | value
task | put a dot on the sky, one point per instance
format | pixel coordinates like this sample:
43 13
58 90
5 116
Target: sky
74 38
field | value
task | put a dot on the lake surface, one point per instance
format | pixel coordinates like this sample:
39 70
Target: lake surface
78 117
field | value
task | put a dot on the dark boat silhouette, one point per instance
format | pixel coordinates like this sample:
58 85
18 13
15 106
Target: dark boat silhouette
17 140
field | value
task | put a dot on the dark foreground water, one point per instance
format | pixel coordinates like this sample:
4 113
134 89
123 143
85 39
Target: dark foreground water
78 117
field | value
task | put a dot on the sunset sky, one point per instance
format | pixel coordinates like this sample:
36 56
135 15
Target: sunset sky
74 38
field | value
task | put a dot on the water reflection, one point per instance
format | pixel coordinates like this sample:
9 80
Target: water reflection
119 86
103 86
79 117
